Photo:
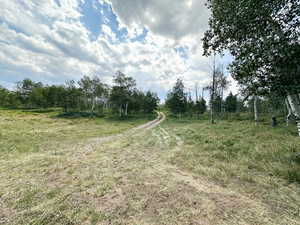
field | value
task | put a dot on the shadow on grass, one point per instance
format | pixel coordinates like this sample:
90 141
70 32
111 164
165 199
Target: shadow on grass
32 110
78 115
40 110
107 117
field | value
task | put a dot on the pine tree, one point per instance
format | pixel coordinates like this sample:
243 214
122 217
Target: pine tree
177 99
231 103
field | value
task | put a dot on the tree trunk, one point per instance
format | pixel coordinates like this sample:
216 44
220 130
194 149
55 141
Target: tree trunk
120 110
294 102
288 117
126 109
93 105
255 110
86 102
103 107
196 92
222 96
213 92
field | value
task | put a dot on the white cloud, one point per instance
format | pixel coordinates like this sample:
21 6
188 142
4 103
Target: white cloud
44 40
170 18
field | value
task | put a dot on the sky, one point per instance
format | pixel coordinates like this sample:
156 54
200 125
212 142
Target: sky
154 41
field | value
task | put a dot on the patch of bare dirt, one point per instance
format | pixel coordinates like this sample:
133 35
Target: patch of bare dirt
5 213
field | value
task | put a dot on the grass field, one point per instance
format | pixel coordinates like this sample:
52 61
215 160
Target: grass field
259 161
181 172
32 131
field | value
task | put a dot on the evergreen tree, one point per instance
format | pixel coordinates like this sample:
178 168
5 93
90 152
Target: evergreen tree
231 103
200 106
150 102
177 99
3 96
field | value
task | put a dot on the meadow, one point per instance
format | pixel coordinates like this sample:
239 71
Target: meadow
184 171
260 161
24 131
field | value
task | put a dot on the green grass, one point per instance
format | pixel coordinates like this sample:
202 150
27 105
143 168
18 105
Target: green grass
240 147
181 172
260 161
41 130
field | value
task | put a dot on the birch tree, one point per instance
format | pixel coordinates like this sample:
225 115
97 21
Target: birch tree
121 92
263 37
255 100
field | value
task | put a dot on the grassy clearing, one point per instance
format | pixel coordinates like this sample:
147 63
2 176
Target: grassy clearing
33 131
260 161
181 172
260 149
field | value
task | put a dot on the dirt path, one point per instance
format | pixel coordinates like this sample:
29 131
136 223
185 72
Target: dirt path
160 118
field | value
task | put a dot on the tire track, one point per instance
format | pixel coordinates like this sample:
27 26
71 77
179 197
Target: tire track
101 140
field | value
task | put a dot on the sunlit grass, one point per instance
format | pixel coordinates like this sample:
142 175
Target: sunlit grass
181 172
257 160
33 131
259 149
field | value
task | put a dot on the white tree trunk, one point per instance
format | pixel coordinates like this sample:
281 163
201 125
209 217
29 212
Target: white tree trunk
213 91
255 109
288 117
93 105
294 102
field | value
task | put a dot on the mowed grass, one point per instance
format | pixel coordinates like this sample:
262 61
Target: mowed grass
181 172
260 161
24 131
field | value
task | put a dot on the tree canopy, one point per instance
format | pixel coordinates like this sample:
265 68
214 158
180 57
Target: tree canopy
263 36
88 95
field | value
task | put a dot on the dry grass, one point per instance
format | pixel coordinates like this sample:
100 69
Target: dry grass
259 162
32 131
158 176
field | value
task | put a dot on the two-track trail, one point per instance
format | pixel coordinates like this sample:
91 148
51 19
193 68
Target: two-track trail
124 179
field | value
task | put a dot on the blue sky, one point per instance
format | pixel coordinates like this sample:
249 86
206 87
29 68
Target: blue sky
155 41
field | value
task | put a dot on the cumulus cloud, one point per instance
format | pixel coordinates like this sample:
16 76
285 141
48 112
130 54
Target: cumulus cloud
170 18
46 40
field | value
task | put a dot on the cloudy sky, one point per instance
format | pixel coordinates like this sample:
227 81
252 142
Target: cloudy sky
154 41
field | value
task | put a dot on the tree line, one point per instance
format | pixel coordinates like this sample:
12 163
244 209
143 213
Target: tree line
88 95
180 102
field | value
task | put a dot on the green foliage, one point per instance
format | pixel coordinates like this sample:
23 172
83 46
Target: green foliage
231 103
8 98
88 95
263 38
94 93
150 102
200 106
217 104
126 98
177 99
